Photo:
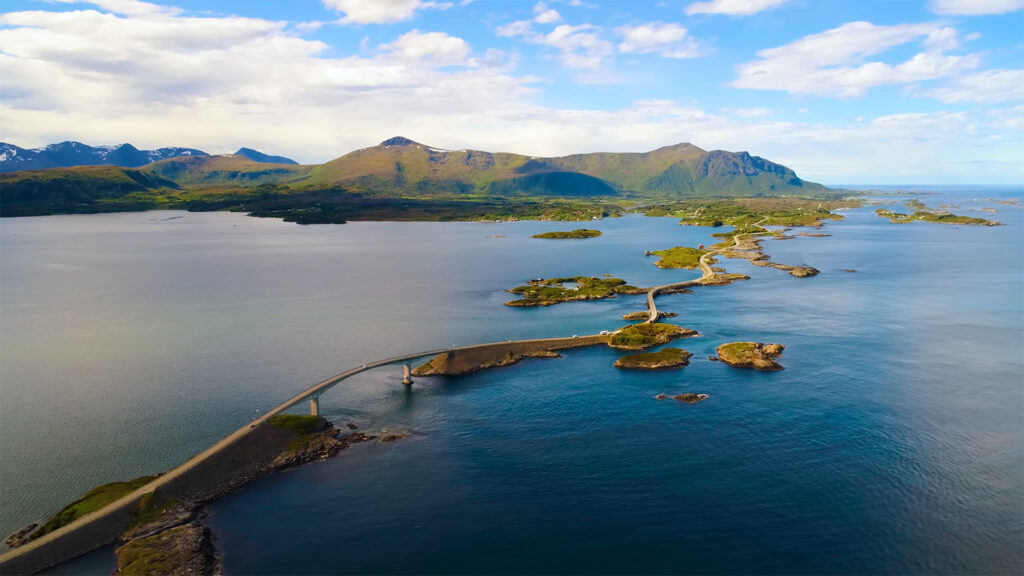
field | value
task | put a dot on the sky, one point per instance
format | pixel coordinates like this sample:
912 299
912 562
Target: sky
842 91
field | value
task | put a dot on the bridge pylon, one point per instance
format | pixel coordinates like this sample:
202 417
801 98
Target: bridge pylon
314 405
406 375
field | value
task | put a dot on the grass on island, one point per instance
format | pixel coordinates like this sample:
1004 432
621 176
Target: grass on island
741 212
934 216
166 552
93 500
664 358
150 508
751 355
551 291
640 336
739 351
577 233
680 257
300 424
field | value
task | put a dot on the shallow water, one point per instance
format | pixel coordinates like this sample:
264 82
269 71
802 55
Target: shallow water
892 442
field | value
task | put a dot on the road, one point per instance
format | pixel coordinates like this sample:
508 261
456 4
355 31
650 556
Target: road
131 499
704 263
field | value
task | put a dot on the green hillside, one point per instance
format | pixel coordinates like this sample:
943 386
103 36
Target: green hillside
229 169
401 166
400 174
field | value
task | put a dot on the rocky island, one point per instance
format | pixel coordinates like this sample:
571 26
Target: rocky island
642 336
751 355
662 359
550 291
938 216
577 233
680 257
688 397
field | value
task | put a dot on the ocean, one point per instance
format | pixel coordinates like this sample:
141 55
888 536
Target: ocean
893 441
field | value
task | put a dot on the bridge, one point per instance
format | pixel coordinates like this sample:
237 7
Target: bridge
32 556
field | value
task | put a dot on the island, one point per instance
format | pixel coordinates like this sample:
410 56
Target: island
577 233
680 257
688 397
662 359
550 291
938 216
751 355
748 247
643 336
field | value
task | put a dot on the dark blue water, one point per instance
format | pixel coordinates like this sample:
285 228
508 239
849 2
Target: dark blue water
892 443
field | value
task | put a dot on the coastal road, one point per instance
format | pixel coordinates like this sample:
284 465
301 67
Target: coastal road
132 498
704 263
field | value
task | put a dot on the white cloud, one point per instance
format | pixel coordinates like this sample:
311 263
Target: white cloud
439 47
831 63
667 39
1008 118
750 112
578 46
130 7
987 86
733 7
545 15
220 83
380 11
517 28
975 7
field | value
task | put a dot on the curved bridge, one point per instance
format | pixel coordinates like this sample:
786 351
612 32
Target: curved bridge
22 560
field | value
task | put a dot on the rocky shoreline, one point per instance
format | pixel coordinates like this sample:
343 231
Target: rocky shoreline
662 359
754 355
179 541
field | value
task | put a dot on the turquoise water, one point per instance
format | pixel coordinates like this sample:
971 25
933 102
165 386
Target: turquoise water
893 441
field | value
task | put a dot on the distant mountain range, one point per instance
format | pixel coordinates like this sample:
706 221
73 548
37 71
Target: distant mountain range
399 165
398 170
67 154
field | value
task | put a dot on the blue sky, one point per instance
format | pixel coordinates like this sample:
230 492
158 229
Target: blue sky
843 91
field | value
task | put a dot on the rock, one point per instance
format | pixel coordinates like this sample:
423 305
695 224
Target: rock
661 397
713 358
690 398
183 550
351 426
358 437
166 521
850 270
310 448
393 437
751 355
21 536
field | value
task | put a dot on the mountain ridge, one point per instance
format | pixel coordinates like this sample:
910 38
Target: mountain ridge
70 153
395 173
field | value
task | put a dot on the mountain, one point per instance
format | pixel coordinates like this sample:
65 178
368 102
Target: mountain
224 170
396 177
400 165
257 156
69 153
